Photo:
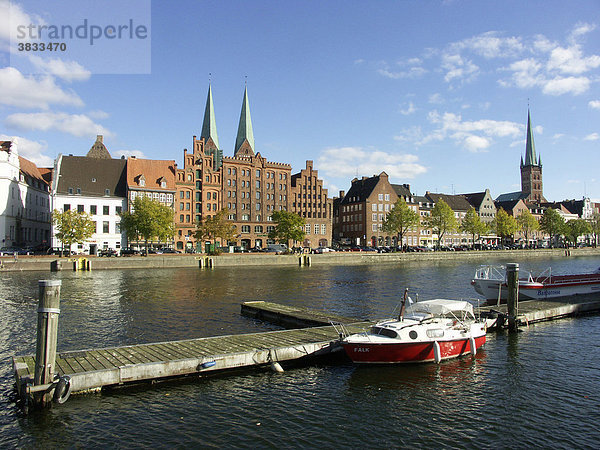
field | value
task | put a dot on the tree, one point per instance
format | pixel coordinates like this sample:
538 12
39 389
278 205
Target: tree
72 227
552 223
527 224
472 224
149 219
595 226
441 220
400 219
575 228
289 227
215 227
505 224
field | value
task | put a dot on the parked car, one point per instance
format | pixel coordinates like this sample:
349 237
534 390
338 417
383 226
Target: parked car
58 251
170 250
108 252
320 250
9 251
129 251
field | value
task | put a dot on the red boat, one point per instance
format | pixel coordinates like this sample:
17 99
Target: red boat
428 331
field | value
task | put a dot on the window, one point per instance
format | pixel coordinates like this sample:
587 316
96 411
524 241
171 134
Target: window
106 191
79 191
257 184
316 228
245 228
93 209
181 194
70 191
323 229
380 197
118 209
105 227
66 207
187 194
246 217
181 217
387 197
307 228
258 229
374 207
80 208
374 217
117 227
105 210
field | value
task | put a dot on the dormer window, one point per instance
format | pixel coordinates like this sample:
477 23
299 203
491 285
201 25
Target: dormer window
141 181
70 191
93 180
106 191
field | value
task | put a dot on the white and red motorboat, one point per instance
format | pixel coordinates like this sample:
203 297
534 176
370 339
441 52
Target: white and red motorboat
427 331
490 281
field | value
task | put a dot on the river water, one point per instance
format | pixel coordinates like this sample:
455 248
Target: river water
536 388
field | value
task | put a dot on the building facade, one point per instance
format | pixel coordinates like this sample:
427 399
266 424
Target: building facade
94 184
24 200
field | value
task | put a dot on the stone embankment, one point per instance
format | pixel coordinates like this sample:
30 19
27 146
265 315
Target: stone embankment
44 263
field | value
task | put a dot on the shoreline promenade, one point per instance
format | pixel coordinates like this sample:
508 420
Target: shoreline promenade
44 263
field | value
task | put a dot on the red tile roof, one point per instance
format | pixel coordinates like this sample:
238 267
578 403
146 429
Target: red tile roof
153 171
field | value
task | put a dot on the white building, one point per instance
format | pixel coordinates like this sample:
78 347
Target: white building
94 184
24 200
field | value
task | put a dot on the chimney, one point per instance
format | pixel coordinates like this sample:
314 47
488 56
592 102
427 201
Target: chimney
342 194
99 138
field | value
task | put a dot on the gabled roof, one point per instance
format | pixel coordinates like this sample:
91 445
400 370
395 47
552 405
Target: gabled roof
511 196
402 190
245 133
475 199
456 202
30 169
152 170
5 146
93 176
361 189
508 205
98 150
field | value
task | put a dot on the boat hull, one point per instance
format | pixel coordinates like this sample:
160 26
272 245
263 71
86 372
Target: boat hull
408 352
559 286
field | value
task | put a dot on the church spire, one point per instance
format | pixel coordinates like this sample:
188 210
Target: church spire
209 125
245 136
530 158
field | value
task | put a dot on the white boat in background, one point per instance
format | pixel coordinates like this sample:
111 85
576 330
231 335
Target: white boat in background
490 281
427 331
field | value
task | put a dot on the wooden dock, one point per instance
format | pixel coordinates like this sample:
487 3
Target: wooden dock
97 368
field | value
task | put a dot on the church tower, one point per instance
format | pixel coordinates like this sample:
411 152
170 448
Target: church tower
244 142
531 170
209 132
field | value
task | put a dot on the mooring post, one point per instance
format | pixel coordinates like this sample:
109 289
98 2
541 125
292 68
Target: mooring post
47 331
512 279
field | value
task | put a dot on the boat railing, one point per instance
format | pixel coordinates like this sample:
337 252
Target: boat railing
545 276
340 329
490 273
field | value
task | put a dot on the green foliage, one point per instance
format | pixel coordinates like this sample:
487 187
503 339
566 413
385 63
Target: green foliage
505 224
441 220
289 227
575 228
472 224
400 219
552 223
527 224
73 227
150 219
216 227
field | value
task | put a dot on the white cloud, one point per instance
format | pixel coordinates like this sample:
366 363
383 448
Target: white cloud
594 104
558 135
76 124
571 61
560 86
592 137
491 45
345 162
31 150
436 99
128 153
33 92
410 109
474 136
457 67
67 70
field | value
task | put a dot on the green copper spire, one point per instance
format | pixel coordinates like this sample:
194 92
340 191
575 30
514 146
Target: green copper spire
245 133
530 159
209 126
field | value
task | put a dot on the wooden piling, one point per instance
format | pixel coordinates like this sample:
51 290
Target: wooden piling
47 331
512 279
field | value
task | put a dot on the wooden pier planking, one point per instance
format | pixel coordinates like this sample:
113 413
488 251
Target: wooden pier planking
97 368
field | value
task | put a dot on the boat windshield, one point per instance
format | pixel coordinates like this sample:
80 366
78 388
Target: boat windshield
441 308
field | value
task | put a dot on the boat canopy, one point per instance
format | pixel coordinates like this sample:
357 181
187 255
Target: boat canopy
440 307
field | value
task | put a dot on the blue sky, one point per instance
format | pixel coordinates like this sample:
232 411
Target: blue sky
433 92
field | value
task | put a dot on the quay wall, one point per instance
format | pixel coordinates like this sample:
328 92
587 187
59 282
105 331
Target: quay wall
44 263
